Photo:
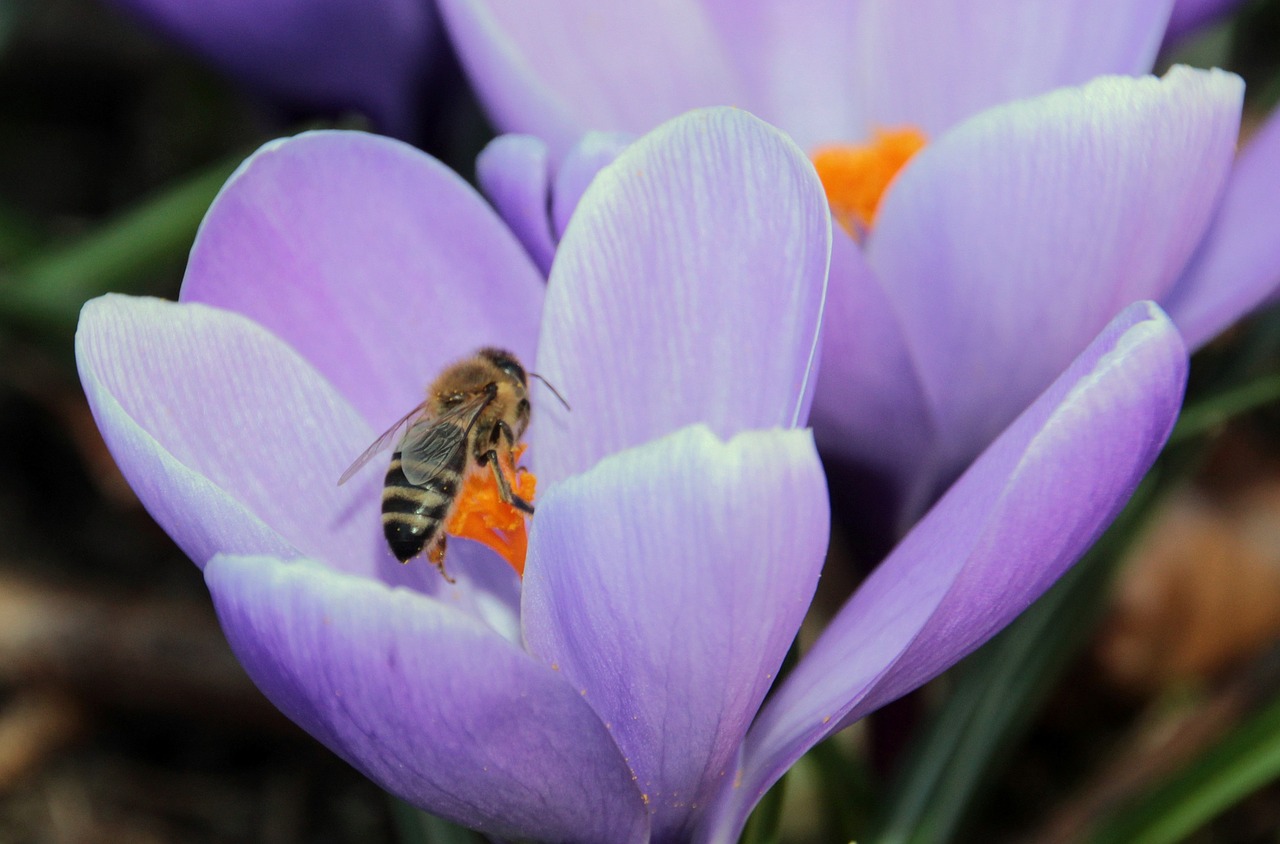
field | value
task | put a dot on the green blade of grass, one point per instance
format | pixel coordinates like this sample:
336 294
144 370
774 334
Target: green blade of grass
414 826
1205 414
45 291
1246 759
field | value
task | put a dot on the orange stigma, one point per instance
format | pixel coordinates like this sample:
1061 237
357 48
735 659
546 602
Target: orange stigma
482 515
856 176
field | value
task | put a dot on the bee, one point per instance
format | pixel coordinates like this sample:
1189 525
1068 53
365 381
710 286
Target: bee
475 413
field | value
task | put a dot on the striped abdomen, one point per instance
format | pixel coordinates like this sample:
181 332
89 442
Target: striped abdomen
413 516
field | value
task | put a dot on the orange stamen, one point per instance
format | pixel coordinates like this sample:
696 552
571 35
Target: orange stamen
482 515
856 176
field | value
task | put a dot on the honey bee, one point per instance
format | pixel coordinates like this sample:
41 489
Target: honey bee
475 413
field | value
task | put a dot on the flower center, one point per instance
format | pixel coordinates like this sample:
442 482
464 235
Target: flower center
482 515
855 176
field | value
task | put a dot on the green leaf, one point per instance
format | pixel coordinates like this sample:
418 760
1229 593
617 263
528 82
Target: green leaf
46 291
414 826
1244 761
1207 413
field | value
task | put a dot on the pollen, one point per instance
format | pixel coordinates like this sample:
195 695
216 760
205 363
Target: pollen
856 176
482 515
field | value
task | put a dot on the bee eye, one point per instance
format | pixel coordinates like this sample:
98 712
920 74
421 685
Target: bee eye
506 363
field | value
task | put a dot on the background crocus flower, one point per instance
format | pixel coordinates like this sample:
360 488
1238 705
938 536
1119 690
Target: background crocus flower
313 55
680 527
951 314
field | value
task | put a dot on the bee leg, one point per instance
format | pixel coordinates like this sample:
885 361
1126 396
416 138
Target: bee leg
490 458
436 556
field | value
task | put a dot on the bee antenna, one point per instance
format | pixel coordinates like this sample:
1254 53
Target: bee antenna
552 389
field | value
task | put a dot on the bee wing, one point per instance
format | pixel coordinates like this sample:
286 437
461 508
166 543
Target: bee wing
381 444
432 443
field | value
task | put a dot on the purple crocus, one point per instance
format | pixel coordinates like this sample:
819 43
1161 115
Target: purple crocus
1035 212
614 694
313 55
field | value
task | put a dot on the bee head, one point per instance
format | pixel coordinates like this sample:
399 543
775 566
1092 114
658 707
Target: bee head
506 362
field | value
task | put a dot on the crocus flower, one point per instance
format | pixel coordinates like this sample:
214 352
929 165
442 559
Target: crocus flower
612 694
968 276
313 55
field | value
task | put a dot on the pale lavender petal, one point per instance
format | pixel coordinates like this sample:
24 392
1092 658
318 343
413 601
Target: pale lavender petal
1023 513
230 439
796 66
431 705
594 152
375 261
314 54
933 63
869 406
1237 265
829 73
666 584
702 249
1192 15
514 172
556 70
1011 241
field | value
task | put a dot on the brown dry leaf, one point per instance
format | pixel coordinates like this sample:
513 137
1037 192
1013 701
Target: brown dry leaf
1201 593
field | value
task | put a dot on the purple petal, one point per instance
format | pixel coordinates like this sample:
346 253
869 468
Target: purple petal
688 288
430 704
556 70
376 262
315 54
841 69
1189 16
514 173
1237 265
594 152
933 63
231 440
1011 241
667 584
1023 513
869 406
831 73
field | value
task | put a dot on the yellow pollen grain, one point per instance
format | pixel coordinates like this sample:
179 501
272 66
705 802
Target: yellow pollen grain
482 515
856 176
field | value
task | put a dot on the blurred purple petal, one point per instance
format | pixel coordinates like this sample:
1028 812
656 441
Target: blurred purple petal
1007 244
427 702
688 288
375 261
933 63
514 173
1023 513
556 70
1189 16
829 73
667 584
325 55
231 440
588 157
1237 265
